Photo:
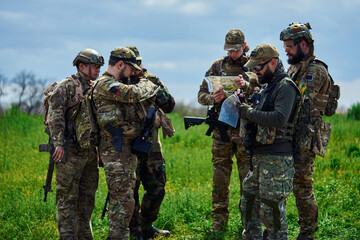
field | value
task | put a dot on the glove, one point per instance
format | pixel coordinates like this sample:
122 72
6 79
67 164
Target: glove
242 110
167 127
161 120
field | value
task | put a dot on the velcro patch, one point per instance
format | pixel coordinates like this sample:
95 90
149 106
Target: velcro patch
309 77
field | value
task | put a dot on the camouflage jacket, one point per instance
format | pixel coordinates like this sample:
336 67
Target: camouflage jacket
63 102
116 103
224 66
163 99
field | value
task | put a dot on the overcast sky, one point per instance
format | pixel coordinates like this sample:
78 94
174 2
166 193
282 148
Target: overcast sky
179 40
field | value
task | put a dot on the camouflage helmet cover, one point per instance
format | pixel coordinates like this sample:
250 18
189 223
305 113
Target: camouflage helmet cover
136 52
234 40
296 31
89 56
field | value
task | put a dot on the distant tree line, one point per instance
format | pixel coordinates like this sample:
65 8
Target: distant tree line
24 91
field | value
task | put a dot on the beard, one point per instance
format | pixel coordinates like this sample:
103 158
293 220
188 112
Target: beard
266 77
299 55
122 76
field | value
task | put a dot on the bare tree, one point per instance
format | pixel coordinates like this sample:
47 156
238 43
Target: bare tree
30 92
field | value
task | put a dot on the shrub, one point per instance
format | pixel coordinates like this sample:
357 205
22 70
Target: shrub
354 112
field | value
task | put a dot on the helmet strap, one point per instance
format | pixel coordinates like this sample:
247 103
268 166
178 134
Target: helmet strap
86 76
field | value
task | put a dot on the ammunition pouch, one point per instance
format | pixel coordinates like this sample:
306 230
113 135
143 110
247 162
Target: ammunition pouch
267 135
117 136
314 137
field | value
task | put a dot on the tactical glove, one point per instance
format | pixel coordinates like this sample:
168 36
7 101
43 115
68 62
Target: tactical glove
242 110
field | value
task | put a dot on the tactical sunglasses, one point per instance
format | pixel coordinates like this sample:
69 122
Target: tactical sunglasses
259 67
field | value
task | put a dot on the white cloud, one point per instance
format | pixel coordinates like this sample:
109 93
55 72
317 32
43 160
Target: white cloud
201 8
160 3
7 15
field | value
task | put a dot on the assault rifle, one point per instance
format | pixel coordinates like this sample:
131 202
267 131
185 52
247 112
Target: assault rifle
251 132
49 147
211 120
141 146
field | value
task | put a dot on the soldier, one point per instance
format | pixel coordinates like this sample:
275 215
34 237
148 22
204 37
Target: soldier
151 172
224 148
269 183
77 171
120 121
311 76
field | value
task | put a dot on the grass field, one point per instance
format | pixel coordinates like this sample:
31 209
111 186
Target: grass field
186 210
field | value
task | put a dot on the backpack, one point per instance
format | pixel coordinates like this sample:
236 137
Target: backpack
334 94
87 127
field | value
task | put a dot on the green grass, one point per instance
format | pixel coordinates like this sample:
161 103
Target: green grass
186 210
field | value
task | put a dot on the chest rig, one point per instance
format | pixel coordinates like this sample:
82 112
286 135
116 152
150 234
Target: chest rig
266 134
230 67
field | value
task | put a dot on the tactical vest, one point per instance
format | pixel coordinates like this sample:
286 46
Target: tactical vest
268 135
232 68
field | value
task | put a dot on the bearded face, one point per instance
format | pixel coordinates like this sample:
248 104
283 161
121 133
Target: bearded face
265 77
297 57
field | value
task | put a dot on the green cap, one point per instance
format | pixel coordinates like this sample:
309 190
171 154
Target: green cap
136 52
234 40
261 53
126 55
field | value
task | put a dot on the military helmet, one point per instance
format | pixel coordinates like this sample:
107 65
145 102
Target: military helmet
296 31
89 56
136 52
234 40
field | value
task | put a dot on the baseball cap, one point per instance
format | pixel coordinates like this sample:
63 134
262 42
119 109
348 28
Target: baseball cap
261 53
126 55
234 40
136 52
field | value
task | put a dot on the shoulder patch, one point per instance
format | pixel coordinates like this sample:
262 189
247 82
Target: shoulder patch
309 77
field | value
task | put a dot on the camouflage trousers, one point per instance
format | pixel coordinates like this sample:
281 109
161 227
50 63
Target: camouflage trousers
222 159
303 192
264 200
76 183
151 173
120 174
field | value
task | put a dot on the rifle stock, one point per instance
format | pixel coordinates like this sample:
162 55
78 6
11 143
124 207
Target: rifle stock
192 121
211 120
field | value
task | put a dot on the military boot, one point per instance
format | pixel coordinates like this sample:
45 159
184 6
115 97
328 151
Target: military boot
136 235
154 232
265 235
302 236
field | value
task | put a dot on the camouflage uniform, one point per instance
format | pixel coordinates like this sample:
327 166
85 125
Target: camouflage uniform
77 177
151 172
224 151
313 80
267 186
117 106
